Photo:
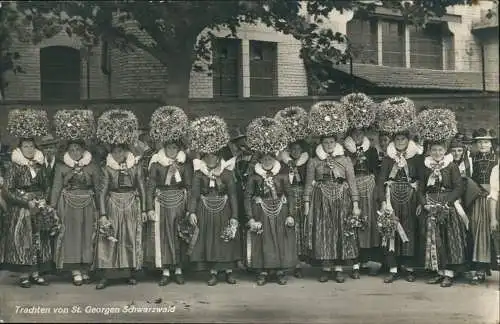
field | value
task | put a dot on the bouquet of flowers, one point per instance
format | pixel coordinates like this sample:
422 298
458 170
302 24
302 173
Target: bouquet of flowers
353 224
386 224
47 218
439 213
188 233
107 231
229 232
255 227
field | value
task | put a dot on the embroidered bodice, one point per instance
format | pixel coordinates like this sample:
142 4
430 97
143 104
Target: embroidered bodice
257 186
483 164
449 183
19 177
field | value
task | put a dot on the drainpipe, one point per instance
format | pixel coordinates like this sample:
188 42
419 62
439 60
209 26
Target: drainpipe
351 74
483 68
88 72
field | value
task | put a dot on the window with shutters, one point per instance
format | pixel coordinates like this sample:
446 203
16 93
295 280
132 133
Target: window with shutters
393 40
426 47
362 34
226 67
60 73
263 69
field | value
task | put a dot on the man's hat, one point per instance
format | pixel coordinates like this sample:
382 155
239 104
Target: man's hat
48 140
484 134
237 133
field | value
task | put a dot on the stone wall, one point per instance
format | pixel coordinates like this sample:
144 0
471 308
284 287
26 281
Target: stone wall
473 110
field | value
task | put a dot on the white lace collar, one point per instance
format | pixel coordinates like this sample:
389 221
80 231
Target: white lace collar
350 145
200 165
322 155
263 173
162 158
84 161
433 165
286 158
412 150
130 162
19 159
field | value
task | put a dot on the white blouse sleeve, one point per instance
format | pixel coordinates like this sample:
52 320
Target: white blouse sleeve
494 185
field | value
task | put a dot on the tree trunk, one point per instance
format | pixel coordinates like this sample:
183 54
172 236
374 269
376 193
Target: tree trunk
178 73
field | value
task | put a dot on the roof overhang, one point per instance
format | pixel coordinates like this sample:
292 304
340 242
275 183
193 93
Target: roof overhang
396 14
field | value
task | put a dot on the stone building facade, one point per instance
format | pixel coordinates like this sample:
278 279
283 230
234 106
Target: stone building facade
452 54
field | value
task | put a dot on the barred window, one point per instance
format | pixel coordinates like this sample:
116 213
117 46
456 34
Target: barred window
426 47
60 73
393 40
226 67
263 69
362 36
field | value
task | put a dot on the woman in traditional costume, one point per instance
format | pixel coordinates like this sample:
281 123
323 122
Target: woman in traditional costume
494 209
122 199
295 158
483 162
361 114
213 205
331 194
169 180
27 238
269 204
471 190
74 194
397 184
441 186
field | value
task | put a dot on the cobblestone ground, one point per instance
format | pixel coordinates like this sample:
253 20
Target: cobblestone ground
368 300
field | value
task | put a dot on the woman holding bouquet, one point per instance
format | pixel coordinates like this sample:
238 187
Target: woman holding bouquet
213 206
331 194
440 189
295 158
397 185
360 111
122 199
481 221
269 204
74 194
166 193
27 230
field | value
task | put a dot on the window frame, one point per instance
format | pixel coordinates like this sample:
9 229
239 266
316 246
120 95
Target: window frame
49 83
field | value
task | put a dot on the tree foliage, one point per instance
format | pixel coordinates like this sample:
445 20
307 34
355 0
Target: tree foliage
174 28
15 27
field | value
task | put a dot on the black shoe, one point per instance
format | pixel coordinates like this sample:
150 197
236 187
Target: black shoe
261 280
230 278
40 281
447 282
410 276
282 279
213 280
339 277
77 280
391 278
132 281
179 279
103 283
165 280
355 274
24 283
297 273
435 280
86 279
324 277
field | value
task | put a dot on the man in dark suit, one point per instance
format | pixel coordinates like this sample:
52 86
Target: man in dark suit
49 146
4 155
